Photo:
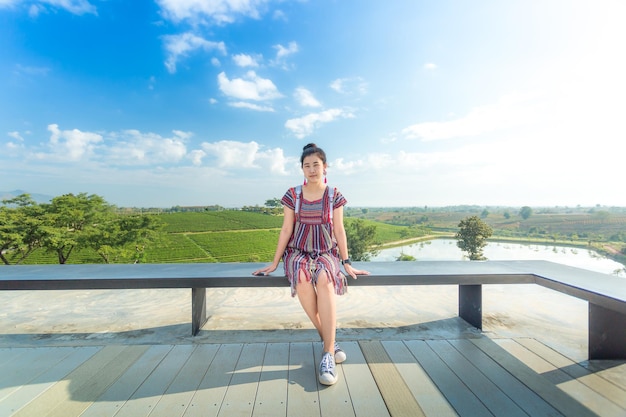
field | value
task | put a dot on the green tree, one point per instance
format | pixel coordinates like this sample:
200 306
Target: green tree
125 237
405 257
361 238
525 212
21 220
472 237
72 221
273 202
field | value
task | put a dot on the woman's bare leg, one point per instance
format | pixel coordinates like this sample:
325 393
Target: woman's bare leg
308 299
327 311
320 306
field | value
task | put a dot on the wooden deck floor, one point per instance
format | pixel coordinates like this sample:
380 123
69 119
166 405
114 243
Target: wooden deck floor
466 377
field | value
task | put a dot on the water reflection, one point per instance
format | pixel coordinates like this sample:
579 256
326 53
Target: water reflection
446 249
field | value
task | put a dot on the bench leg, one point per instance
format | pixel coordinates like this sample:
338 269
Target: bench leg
607 333
198 309
471 304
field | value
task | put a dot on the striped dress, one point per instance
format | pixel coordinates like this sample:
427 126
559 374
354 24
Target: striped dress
312 247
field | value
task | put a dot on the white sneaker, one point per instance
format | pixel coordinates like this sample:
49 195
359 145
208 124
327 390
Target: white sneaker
328 375
340 355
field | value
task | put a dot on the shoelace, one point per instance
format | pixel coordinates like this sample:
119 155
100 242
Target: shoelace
326 366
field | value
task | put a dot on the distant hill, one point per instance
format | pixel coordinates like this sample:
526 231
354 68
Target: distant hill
39 198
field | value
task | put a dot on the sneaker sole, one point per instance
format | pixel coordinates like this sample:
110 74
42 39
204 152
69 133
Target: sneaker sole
327 379
340 357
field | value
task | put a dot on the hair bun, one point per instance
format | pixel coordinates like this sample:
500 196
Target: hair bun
308 146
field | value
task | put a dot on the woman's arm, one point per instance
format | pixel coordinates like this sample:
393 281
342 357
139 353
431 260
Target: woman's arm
283 239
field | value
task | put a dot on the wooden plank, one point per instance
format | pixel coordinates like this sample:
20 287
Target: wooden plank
600 385
121 390
84 391
209 396
180 393
28 365
31 392
302 395
611 370
429 398
271 397
241 393
582 393
464 402
540 385
397 396
334 399
61 392
145 399
525 398
366 398
486 390
8 355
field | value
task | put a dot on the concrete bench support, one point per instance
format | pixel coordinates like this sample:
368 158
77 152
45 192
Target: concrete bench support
471 304
198 309
607 333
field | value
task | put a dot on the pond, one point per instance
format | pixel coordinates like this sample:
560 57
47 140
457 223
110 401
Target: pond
446 249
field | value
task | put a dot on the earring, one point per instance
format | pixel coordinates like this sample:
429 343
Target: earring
325 180
304 183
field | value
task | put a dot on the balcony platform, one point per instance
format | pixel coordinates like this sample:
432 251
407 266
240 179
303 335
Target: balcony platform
129 353
471 376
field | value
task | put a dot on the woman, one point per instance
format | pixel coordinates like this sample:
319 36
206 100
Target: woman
312 242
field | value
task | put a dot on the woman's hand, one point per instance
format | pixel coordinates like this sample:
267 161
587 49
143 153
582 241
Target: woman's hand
265 271
353 272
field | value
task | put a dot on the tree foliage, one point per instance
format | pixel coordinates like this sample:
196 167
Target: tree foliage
21 231
273 202
361 237
472 237
69 223
525 212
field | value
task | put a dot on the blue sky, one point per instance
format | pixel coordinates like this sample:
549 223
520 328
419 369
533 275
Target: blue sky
417 103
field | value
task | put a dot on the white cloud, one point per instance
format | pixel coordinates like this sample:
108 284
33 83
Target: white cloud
196 156
275 160
78 7
353 85
178 46
16 135
30 70
306 98
214 11
244 60
282 52
511 111
241 155
279 15
303 126
132 147
251 106
70 145
430 66
252 87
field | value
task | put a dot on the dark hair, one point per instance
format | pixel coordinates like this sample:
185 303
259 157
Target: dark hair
312 149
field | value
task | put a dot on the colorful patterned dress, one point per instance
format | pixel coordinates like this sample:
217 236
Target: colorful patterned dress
312 247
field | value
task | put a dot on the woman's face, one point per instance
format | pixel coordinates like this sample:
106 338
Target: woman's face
313 168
